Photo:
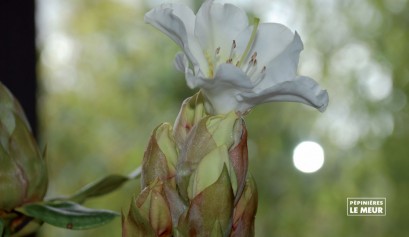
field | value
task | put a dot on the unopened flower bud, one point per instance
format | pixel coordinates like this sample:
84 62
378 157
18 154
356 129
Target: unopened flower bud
23 173
149 214
191 112
210 138
160 156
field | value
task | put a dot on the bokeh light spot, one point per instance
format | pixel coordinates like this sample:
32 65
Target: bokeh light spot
308 157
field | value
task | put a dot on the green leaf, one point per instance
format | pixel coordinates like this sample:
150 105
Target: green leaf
99 188
102 186
68 215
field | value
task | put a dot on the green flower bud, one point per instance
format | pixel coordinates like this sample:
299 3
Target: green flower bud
149 214
208 156
160 156
23 173
211 138
191 112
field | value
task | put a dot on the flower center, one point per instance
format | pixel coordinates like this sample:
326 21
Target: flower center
250 69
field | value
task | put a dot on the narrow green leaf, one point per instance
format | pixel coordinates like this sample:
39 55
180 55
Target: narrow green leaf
103 186
99 188
68 215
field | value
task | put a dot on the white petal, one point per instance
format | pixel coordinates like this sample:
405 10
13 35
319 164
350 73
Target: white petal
218 25
271 40
283 67
177 22
221 102
181 63
303 90
227 75
221 91
174 20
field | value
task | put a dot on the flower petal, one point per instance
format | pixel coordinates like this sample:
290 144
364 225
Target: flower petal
271 40
221 101
217 25
229 75
284 66
182 64
174 20
302 89
177 22
222 90
277 52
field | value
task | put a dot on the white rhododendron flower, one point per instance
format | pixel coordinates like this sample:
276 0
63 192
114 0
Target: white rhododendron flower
235 64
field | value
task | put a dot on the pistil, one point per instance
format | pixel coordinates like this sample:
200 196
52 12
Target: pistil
251 40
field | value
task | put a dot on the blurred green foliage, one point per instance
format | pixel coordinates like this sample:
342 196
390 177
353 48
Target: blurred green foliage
107 80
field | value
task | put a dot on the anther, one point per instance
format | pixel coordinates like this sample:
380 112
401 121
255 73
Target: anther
217 50
263 70
230 60
233 47
253 57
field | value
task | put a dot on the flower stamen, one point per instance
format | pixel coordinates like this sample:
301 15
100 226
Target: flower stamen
254 56
233 47
217 50
260 76
231 55
251 67
216 56
212 60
